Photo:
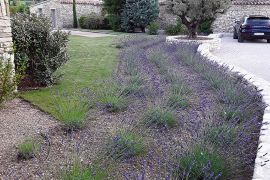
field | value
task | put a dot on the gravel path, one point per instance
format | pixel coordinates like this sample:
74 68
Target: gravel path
18 121
252 56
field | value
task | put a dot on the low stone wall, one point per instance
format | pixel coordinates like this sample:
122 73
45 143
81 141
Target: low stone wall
214 41
225 22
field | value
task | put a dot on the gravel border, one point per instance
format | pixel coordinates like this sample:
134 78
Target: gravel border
262 168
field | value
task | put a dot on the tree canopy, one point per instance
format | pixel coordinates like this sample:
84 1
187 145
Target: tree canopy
194 12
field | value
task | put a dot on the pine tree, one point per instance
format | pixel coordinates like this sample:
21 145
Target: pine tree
75 20
138 14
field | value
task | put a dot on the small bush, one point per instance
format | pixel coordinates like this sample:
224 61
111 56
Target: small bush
114 102
134 86
221 135
114 22
42 51
71 110
177 101
91 21
80 172
160 116
8 81
126 145
173 30
153 28
82 22
27 149
205 27
201 163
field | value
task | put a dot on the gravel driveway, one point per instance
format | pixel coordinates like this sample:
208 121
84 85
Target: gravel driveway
252 56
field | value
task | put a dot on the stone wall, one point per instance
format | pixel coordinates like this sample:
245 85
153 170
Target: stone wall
225 22
82 9
45 8
64 11
6 44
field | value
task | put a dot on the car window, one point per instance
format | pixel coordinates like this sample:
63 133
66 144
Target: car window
258 21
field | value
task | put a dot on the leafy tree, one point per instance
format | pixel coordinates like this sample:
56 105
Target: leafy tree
194 12
114 10
75 20
138 13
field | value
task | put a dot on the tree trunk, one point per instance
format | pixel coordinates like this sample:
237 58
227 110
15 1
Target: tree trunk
192 31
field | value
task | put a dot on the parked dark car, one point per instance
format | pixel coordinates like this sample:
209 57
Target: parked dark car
252 27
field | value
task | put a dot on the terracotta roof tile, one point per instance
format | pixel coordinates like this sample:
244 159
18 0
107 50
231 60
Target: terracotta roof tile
251 2
91 2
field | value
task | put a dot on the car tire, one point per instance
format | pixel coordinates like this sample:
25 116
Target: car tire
240 39
268 40
235 36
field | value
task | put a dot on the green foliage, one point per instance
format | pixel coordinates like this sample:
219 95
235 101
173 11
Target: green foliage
41 50
177 101
110 97
193 12
91 21
173 30
27 149
153 28
205 27
134 86
160 116
8 80
114 9
71 110
74 10
82 22
80 172
126 145
20 7
114 22
201 163
138 13
221 135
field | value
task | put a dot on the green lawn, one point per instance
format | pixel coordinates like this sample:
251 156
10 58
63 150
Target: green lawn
90 59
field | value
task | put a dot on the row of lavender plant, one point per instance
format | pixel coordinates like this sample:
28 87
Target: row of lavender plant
236 135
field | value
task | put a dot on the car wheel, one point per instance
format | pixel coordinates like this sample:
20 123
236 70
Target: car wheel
235 34
240 38
268 40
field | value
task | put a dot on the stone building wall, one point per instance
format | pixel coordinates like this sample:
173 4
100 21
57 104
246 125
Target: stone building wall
82 9
6 44
225 22
45 8
64 11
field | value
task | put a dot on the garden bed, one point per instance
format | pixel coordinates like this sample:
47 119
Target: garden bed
166 113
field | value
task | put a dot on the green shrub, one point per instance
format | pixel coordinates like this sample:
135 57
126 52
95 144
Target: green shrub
91 21
27 149
134 86
8 80
201 163
126 145
221 135
153 28
114 102
80 172
160 116
205 27
82 22
173 30
177 101
71 110
138 14
41 50
114 22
